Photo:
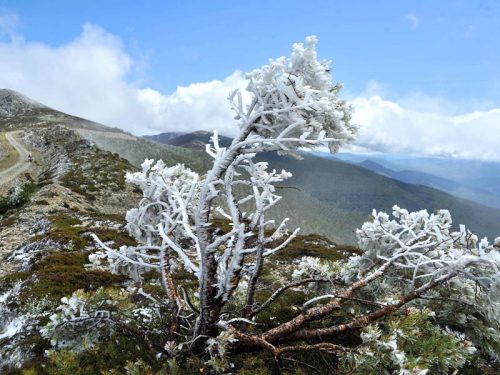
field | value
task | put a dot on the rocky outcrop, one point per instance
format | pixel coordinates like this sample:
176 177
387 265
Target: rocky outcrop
14 104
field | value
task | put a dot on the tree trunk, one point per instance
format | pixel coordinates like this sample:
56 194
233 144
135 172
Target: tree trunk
210 307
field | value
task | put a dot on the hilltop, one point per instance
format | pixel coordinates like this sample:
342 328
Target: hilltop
14 104
20 112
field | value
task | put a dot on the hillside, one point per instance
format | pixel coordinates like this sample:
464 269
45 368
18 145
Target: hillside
411 177
19 112
195 140
335 197
329 197
470 179
163 137
358 190
136 149
73 189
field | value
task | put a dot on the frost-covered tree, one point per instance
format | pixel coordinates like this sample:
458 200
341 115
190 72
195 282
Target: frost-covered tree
293 105
413 260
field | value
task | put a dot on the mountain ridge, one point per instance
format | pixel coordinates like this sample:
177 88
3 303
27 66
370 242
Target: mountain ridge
360 190
18 111
195 140
470 179
332 198
13 103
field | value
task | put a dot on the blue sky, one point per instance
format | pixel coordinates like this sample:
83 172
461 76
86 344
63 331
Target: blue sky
409 67
442 48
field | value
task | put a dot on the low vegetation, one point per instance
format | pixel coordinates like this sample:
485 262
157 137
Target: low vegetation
18 195
8 154
92 172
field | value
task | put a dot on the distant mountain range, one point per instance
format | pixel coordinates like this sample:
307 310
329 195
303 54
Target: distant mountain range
340 195
194 140
163 137
411 177
470 179
325 196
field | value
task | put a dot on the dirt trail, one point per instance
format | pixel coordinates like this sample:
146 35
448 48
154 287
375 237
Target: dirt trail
21 164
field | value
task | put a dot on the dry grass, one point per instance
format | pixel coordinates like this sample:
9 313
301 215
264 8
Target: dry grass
12 154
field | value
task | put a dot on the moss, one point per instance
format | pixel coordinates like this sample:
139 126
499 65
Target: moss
310 245
153 289
150 275
65 230
9 280
282 310
68 230
59 259
75 180
42 202
60 274
119 238
64 221
108 357
94 171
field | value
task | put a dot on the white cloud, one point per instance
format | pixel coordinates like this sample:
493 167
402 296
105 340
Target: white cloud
413 19
88 77
388 126
197 106
85 77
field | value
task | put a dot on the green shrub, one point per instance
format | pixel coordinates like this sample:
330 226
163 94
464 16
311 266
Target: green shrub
60 274
17 196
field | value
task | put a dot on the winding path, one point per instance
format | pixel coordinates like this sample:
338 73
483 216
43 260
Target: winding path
21 164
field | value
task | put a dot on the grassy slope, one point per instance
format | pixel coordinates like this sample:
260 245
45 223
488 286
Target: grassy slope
135 150
12 154
305 211
334 197
358 190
